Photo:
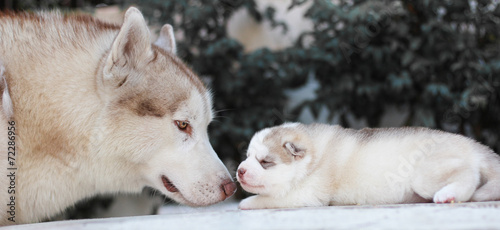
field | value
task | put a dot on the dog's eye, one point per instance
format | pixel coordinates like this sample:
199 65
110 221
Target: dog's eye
182 125
267 164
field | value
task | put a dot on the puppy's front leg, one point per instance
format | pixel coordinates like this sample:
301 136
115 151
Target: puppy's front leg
290 201
260 202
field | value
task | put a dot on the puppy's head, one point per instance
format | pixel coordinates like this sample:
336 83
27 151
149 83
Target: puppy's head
277 160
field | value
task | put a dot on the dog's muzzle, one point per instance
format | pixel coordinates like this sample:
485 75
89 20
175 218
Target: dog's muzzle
229 188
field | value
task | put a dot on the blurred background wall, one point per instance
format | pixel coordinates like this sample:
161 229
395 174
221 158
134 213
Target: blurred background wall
356 63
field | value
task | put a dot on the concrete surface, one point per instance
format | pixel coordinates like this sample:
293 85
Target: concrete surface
484 215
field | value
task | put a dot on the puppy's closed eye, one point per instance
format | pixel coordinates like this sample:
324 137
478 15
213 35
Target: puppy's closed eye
266 163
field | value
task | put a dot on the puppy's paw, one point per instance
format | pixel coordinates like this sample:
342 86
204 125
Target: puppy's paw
444 195
250 203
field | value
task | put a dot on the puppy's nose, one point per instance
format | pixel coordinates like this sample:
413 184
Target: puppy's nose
229 188
241 172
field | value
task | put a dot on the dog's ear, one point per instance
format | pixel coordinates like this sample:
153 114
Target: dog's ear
131 46
296 152
166 40
7 107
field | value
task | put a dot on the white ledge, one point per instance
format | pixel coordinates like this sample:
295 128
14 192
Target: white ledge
484 215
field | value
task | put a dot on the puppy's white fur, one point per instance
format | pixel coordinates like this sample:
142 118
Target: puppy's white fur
296 165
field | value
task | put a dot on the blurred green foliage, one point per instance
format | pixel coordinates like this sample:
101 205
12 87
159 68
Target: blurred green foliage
439 58
86 5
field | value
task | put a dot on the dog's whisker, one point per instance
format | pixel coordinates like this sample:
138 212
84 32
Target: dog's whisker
222 110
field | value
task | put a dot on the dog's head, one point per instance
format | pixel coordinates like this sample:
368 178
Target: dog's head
156 119
278 158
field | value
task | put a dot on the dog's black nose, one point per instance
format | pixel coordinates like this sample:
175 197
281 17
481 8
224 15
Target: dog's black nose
229 188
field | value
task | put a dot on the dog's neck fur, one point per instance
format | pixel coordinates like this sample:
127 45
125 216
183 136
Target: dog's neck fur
61 159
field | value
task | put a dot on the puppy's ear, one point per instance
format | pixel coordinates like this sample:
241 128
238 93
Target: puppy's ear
293 150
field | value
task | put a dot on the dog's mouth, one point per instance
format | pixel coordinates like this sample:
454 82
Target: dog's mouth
169 185
247 185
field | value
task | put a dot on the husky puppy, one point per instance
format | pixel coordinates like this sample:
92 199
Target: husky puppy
98 109
296 165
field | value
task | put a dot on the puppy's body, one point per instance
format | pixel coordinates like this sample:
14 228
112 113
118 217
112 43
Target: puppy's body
99 109
297 165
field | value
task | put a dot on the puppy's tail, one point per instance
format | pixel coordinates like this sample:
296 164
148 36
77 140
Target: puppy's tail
490 173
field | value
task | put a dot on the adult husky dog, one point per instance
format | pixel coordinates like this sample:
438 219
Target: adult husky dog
99 109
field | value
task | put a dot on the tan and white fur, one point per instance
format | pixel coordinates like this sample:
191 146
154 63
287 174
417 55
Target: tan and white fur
296 165
99 109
